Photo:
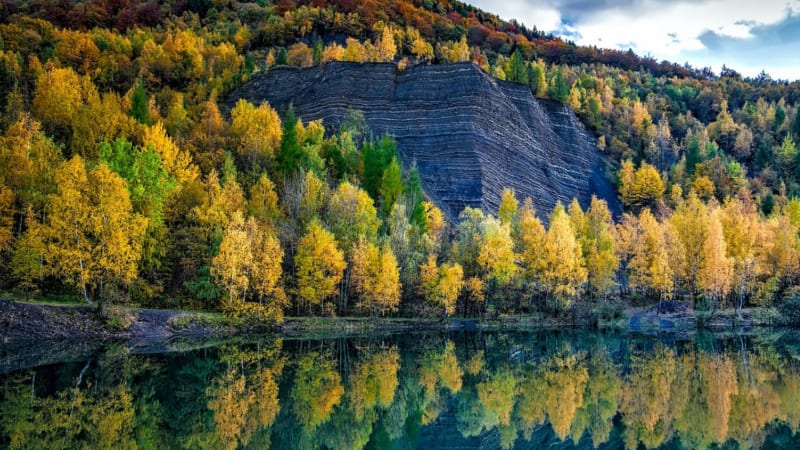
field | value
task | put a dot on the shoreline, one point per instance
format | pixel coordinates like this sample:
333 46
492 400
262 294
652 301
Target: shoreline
26 321
35 334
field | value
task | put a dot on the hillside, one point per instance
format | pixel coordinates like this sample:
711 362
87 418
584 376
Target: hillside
130 173
470 135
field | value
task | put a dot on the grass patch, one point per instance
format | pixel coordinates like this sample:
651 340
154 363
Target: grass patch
118 317
189 319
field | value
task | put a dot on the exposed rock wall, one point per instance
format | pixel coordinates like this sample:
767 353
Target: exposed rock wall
470 134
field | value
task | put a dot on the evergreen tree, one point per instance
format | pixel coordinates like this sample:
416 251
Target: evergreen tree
139 104
519 71
290 152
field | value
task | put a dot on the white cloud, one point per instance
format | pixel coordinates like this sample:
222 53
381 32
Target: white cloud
544 17
664 29
667 30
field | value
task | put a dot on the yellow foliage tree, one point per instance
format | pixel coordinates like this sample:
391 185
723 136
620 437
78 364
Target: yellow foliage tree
435 223
6 216
354 51
387 49
717 270
177 162
564 271
92 237
256 130
263 203
532 237
441 285
375 278
742 229
508 210
231 265
57 98
451 279
596 236
352 214
690 221
248 267
300 55
496 256
642 187
319 265
643 243
27 259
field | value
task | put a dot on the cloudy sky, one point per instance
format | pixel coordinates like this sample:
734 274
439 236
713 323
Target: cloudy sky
746 35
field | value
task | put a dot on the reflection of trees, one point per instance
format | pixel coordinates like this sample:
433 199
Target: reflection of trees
316 390
438 369
488 405
645 399
244 397
599 400
242 405
377 396
88 415
369 393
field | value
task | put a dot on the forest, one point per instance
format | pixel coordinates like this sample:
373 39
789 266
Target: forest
123 182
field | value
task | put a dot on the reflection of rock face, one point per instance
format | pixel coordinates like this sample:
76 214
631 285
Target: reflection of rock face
470 135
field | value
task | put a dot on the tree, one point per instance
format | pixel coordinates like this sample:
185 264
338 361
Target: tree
519 69
391 186
376 157
690 220
441 285
742 230
299 55
92 236
643 244
177 162
256 131
139 101
265 274
290 153
27 259
57 98
457 51
263 203
435 223
319 265
375 277
564 271
532 237
351 214
386 46
508 210
537 80
717 271
6 217
595 234
496 255
27 159
233 262
642 187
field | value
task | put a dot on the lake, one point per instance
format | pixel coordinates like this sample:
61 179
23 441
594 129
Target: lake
461 390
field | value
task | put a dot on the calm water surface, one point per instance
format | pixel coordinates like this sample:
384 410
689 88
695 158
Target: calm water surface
430 391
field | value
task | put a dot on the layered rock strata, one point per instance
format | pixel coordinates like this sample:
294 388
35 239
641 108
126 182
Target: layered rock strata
469 134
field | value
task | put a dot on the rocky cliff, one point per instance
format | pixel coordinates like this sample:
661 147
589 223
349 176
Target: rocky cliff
470 134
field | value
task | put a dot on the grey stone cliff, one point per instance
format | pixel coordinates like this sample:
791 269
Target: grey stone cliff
470 135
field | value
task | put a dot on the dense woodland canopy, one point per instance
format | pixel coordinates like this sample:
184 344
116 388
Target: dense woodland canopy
121 180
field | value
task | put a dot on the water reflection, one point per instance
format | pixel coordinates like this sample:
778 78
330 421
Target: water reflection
433 391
